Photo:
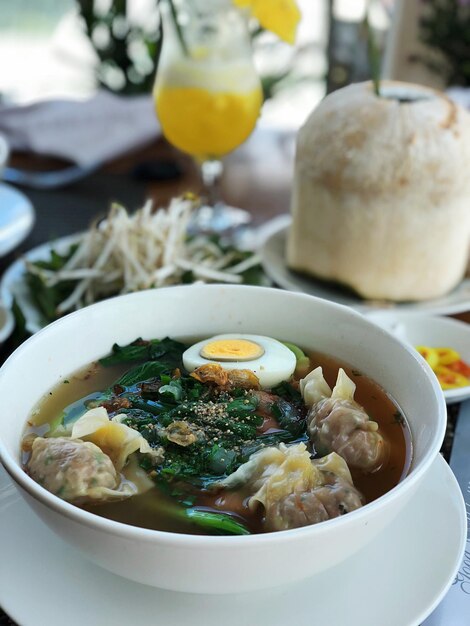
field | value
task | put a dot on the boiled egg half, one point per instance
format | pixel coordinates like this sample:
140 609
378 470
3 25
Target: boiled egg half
269 359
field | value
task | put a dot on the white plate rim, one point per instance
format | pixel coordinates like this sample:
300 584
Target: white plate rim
28 218
275 266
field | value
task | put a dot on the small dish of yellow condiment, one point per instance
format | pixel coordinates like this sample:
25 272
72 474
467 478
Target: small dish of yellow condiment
451 371
443 342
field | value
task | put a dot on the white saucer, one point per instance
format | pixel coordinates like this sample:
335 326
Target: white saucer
274 264
16 218
397 581
429 330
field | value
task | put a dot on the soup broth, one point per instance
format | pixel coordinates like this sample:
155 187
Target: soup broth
154 508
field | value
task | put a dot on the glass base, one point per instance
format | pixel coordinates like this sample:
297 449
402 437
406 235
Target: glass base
220 218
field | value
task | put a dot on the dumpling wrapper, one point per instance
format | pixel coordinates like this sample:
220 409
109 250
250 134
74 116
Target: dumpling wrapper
334 464
256 470
294 489
314 387
115 439
294 474
344 388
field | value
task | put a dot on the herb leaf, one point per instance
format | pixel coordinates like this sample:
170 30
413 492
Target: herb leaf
217 523
146 371
288 392
47 298
173 390
166 351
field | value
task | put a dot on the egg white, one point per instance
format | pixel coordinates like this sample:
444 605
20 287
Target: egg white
275 365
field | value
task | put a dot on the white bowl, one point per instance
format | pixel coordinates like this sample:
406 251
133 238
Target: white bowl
218 564
416 329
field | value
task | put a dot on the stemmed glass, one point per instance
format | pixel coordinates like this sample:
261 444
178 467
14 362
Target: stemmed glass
207 93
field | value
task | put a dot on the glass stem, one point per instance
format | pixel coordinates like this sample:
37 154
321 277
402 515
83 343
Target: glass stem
211 171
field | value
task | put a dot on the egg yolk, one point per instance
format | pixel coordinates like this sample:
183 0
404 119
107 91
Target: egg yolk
231 350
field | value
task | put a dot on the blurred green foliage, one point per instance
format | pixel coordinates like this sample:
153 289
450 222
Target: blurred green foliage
445 26
127 53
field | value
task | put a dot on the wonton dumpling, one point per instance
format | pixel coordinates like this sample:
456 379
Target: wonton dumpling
338 423
294 490
310 507
117 440
75 470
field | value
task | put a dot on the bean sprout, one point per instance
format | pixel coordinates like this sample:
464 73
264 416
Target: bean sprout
130 252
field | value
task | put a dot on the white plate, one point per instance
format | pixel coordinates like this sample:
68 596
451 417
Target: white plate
427 330
396 581
16 218
13 285
7 323
274 264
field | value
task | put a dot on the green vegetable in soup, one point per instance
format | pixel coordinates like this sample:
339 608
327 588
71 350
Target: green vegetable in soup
212 522
289 392
166 351
289 416
172 391
303 362
216 523
146 371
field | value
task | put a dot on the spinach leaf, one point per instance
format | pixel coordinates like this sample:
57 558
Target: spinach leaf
173 390
47 298
166 351
243 407
188 464
288 392
221 461
180 507
137 417
256 276
56 261
183 411
238 430
145 371
289 416
147 406
216 523
263 441
20 332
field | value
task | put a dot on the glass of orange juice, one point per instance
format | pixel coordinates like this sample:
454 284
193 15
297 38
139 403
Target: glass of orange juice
207 93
